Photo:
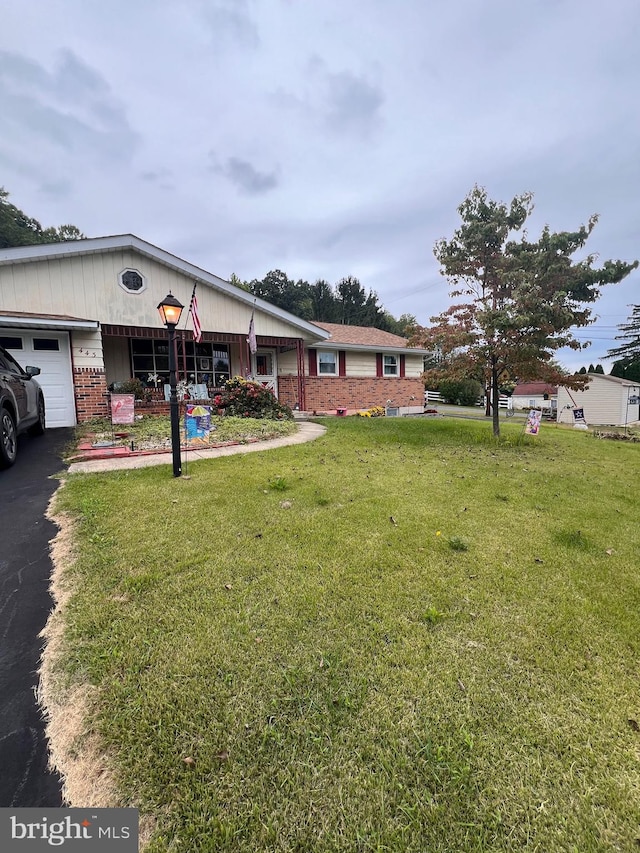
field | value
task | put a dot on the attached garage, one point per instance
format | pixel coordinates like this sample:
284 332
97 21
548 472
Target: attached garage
45 342
50 352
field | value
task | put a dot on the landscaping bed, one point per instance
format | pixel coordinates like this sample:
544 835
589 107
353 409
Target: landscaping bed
153 433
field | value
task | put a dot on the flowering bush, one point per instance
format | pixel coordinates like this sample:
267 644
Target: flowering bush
245 399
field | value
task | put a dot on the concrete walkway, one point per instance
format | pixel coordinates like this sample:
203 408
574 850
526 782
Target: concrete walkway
307 431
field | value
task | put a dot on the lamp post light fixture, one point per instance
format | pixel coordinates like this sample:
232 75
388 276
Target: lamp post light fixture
170 310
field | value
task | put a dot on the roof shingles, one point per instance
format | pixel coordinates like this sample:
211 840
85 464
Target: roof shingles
360 335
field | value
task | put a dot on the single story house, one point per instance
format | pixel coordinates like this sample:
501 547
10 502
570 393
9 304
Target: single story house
85 312
605 401
534 395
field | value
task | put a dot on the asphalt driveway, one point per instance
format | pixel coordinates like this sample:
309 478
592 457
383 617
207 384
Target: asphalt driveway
25 568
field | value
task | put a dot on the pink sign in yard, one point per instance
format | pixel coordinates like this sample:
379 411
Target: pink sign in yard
122 408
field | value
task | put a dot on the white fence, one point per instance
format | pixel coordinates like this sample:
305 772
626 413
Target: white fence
435 397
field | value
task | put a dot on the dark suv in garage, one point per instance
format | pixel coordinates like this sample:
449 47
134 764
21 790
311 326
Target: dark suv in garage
21 406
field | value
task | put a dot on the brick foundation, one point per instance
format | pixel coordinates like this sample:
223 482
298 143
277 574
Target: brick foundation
326 393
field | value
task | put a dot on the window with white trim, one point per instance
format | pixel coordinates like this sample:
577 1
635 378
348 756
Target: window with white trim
327 363
132 281
390 365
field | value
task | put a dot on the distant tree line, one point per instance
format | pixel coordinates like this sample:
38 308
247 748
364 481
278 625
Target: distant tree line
346 302
18 229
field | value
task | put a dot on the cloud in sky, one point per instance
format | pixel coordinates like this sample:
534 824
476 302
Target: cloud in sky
325 139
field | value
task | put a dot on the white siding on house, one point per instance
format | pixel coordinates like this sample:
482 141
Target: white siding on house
117 359
86 349
88 287
358 363
414 366
534 401
604 402
288 363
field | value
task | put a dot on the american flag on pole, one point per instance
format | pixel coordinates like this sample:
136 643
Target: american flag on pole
193 310
251 340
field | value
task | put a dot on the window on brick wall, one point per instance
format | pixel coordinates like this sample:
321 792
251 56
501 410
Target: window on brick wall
327 363
390 364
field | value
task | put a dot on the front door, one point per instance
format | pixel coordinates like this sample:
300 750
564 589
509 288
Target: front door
265 369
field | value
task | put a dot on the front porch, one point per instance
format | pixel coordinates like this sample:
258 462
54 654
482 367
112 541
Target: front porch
131 352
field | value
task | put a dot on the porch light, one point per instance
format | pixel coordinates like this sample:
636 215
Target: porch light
170 310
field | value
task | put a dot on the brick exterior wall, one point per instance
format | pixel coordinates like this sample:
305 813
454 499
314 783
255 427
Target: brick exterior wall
90 388
324 393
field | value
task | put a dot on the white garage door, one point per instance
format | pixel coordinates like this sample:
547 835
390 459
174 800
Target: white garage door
50 352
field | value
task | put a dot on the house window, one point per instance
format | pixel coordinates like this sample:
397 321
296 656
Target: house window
132 281
390 363
532 404
10 342
328 363
46 345
203 363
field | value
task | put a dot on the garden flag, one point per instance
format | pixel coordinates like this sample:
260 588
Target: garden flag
251 340
193 310
533 422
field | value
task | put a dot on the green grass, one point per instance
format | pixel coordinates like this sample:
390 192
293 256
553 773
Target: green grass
429 649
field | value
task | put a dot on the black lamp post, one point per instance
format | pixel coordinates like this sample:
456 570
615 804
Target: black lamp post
170 310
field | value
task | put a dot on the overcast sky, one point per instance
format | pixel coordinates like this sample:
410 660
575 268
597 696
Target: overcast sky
326 137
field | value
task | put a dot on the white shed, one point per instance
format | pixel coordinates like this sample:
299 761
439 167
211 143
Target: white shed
606 401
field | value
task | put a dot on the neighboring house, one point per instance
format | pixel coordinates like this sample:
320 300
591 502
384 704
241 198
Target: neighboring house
85 312
359 367
605 402
534 395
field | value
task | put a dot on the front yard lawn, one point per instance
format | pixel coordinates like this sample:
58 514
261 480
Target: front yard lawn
403 636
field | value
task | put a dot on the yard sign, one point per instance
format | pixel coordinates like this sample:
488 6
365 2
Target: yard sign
198 424
122 408
533 422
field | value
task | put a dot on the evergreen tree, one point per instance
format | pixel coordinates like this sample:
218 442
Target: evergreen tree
628 353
